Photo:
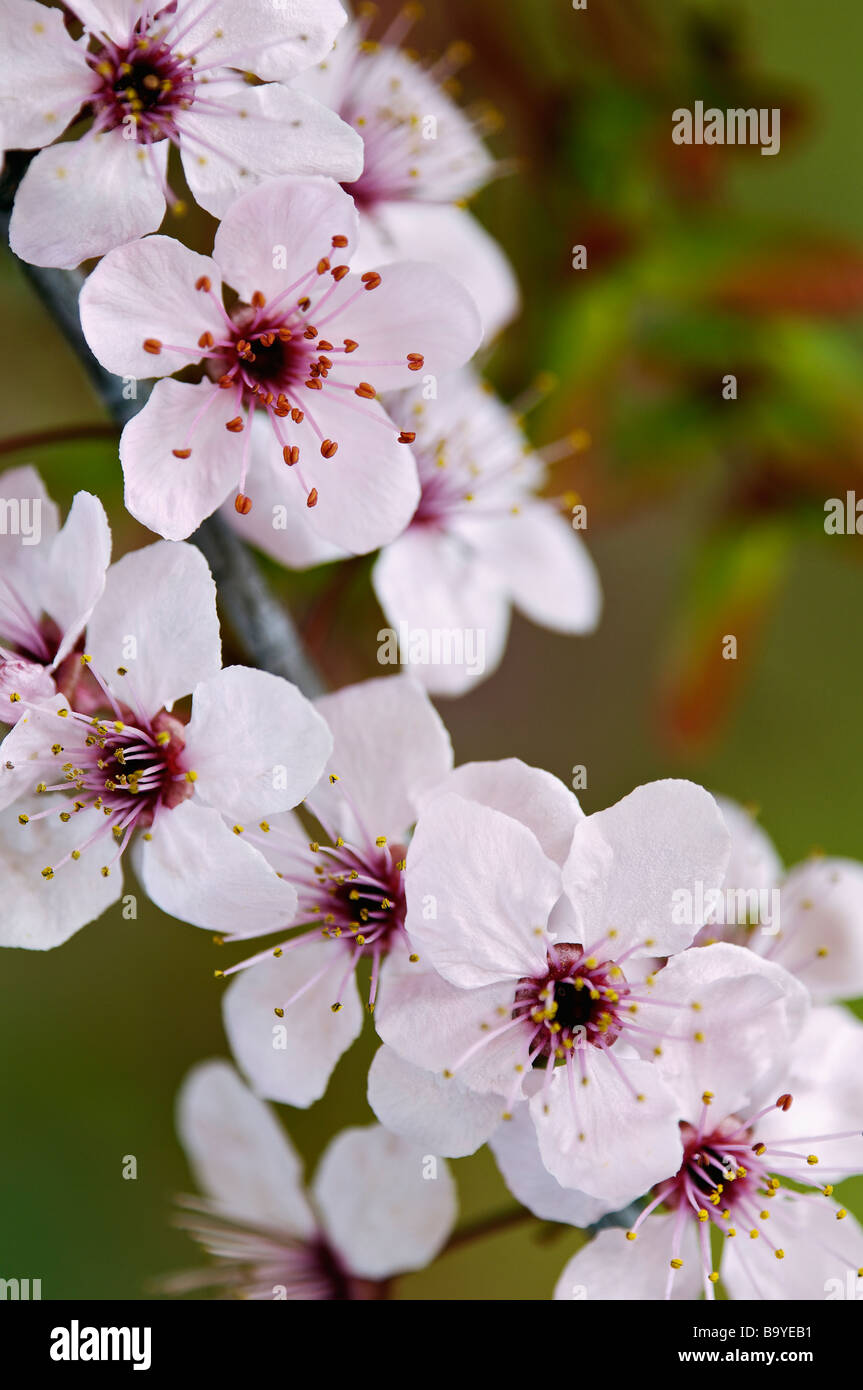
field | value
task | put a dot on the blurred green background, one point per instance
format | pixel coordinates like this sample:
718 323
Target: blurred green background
706 517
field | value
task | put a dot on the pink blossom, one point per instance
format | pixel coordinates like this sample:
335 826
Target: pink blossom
151 76
422 158
818 931
50 579
777 1242
297 1009
372 1212
528 918
78 788
295 353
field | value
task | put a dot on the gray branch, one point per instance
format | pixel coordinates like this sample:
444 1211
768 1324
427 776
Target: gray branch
261 626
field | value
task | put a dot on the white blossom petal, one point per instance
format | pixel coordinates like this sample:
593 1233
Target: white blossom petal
195 868
239 1153
516 1151
389 747
611 1267
157 620
265 132
80 198
257 744
441 1116
492 889
628 862
145 292
291 1058
385 1207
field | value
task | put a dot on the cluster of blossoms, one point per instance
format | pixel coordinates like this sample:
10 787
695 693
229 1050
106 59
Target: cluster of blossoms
523 963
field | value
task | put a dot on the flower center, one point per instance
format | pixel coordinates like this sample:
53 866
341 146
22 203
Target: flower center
259 1263
352 894
126 770
266 356
579 1002
361 895
143 84
720 1170
273 354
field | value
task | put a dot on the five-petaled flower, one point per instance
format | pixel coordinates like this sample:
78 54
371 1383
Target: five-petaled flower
542 920
774 1241
146 77
295 1008
287 367
373 1212
82 786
